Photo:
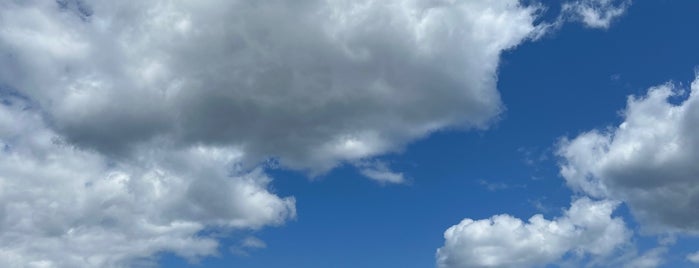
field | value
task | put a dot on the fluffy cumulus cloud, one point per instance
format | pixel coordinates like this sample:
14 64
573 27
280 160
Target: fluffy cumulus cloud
310 83
596 13
649 160
586 228
67 207
128 127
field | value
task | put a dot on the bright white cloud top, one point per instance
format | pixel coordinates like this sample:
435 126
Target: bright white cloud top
505 241
649 161
131 126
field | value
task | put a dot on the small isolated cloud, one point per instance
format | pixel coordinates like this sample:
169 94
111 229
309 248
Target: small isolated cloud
493 186
533 156
539 205
249 243
595 13
587 227
498 186
694 257
648 161
380 172
253 243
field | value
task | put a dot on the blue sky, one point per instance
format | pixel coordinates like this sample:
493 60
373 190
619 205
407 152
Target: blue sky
253 178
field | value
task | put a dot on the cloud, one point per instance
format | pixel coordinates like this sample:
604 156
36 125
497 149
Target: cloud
129 127
253 242
648 161
312 83
595 13
694 257
380 172
505 241
493 186
249 243
63 206
651 259
499 186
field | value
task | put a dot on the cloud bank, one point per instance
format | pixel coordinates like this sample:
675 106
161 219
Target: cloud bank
129 127
311 83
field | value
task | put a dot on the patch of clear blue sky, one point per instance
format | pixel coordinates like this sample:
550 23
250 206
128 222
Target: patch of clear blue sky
574 80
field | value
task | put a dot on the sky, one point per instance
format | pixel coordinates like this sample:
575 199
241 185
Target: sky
318 133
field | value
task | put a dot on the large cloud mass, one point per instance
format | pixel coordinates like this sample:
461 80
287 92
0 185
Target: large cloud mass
505 241
649 160
128 127
66 207
309 82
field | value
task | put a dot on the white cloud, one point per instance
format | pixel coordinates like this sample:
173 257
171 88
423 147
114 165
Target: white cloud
505 241
312 83
380 172
648 161
596 13
145 115
694 257
253 242
67 207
